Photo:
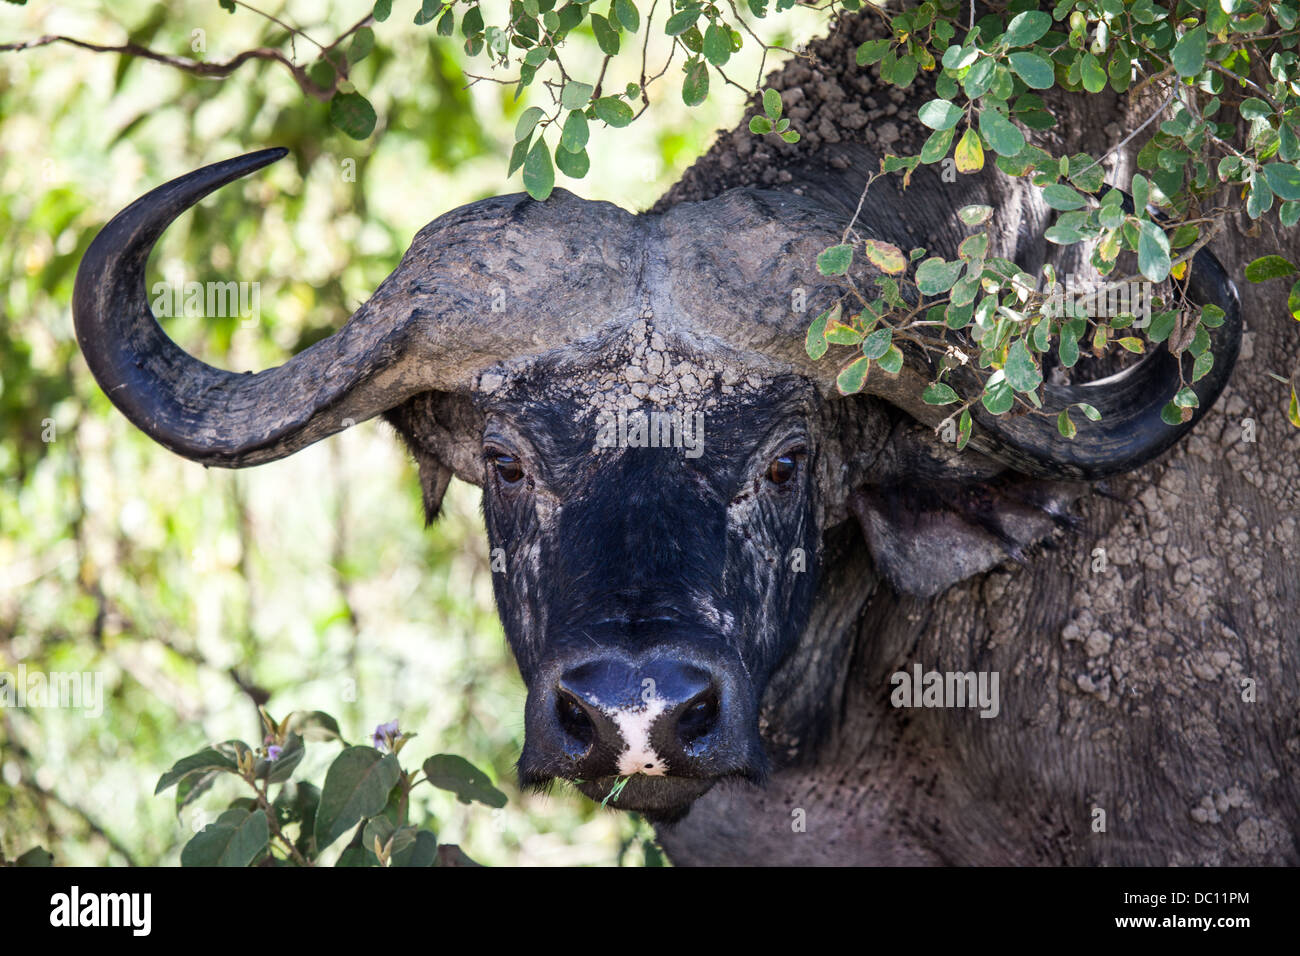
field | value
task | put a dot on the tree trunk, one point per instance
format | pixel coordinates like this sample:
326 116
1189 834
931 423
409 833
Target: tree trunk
1150 709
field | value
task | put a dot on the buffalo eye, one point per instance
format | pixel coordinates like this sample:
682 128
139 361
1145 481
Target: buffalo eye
508 467
783 468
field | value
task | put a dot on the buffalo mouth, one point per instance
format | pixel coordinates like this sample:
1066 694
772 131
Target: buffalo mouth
660 799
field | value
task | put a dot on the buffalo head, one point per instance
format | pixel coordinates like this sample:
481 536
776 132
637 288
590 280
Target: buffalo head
661 462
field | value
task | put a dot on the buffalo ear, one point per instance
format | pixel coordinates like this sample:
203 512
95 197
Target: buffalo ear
434 478
926 537
439 450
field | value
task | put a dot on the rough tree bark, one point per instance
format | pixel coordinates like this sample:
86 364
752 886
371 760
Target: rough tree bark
1122 687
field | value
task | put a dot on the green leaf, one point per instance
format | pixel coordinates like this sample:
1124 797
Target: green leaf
974 247
963 429
1293 301
1069 347
1064 425
315 725
935 276
1027 27
959 316
998 396
904 71
717 45
1259 199
575 96
1171 414
681 21
958 57
772 104
573 163
940 114
891 361
472 22
1253 108
1288 143
627 14
936 145
613 111
1153 251
518 155
964 290
835 261
979 78
606 35
528 121
1063 197
353 114
357 785
1188 55
1141 192
381 830
815 341
449 772
1093 76
1283 179
322 74
363 41
282 767
539 176
877 343
1269 267
760 125
35 857
852 376
422 851
382 10
1001 133
574 136
838 333
1186 398
205 760
695 85
1022 373
1035 70
937 393
872 51
1162 324
228 843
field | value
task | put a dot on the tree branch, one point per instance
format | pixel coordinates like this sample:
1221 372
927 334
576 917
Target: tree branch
216 69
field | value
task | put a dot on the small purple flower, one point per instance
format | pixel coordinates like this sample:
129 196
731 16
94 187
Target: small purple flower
385 734
273 752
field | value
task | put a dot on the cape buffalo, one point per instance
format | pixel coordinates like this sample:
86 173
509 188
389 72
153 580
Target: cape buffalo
688 521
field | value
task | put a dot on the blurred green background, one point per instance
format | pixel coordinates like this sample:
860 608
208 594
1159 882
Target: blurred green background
312 579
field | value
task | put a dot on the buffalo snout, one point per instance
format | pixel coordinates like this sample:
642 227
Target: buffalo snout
656 728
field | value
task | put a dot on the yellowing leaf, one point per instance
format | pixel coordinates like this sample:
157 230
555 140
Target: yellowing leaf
969 154
884 256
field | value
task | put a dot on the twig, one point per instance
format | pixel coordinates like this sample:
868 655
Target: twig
1123 142
216 69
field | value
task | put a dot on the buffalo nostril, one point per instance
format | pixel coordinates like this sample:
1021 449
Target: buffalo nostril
574 720
698 718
